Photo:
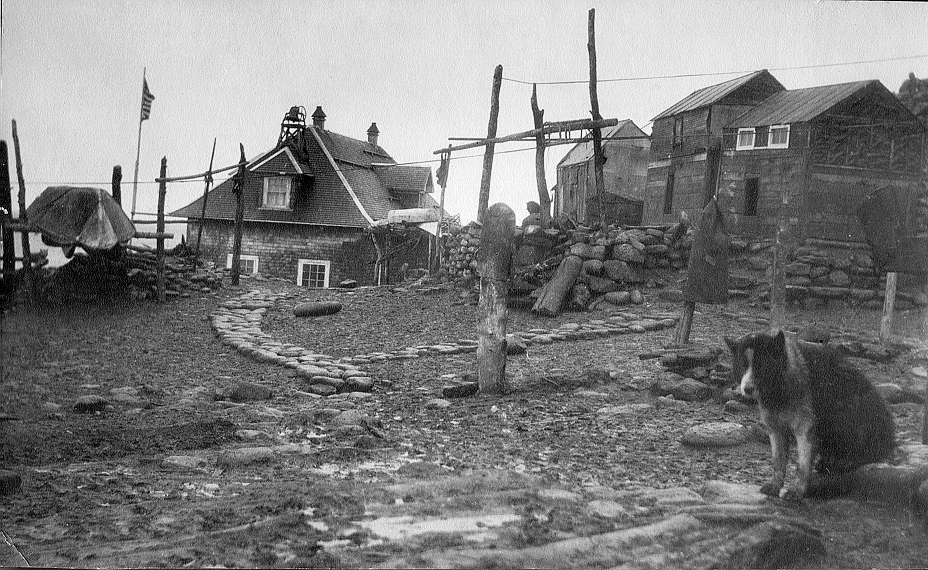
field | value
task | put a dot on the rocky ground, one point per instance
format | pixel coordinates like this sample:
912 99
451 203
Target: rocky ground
200 433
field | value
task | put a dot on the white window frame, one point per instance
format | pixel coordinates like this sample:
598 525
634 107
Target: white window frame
738 145
242 265
300 264
770 143
287 196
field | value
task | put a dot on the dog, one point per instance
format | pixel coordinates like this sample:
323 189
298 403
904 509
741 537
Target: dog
811 392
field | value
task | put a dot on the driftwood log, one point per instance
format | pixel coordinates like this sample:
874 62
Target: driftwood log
495 264
556 290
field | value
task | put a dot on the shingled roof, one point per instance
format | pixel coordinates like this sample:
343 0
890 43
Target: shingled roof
340 186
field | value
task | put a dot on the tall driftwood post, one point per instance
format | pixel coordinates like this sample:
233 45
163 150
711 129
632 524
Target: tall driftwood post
778 269
442 182
598 158
889 305
6 203
28 278
494 263
209 180
543 199
117 184
159 251
484 198
238 188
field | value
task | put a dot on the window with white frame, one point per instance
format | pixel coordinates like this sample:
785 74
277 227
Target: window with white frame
248 264
745 139
277 192
313 273
779 136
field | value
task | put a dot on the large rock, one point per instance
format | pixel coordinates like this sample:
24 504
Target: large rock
715 434
599 285
628 253
249 391
244 456
618 297
593 267
90 404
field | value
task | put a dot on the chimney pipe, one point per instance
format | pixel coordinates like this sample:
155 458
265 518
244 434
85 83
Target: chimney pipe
319 118
372 133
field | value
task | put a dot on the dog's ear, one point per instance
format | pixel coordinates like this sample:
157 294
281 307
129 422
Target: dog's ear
779 342
732 344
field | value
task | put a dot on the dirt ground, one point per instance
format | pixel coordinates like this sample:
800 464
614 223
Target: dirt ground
97 492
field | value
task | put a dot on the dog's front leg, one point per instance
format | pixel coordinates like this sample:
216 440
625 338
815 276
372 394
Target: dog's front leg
779 444
805 448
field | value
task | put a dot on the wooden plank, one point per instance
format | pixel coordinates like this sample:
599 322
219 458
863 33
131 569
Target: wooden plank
484 197
889 304
159 251
544 200
686 323
551 127
28 279
494 263
153 235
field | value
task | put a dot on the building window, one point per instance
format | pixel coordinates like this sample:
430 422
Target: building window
277 192
745 139
750 196
248 264
761 135
678 132
313 273
779 136
668 193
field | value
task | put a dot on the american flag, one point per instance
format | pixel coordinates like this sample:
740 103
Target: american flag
147 98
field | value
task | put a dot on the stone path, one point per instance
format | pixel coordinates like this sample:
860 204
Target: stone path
238 324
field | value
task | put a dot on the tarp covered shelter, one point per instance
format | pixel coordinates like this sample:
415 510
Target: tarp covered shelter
69 216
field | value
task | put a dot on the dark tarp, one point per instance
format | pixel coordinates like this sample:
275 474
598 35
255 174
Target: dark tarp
884 216
88 217
707 276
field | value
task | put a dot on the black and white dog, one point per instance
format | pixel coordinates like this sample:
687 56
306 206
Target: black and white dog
810 392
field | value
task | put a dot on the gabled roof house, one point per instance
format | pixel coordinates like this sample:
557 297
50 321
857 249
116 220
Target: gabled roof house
311 203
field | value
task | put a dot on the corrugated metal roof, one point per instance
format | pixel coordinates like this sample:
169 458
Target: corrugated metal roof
798 105
711 94
582 152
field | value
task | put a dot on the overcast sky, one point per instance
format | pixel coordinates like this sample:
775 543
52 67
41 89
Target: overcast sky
422 70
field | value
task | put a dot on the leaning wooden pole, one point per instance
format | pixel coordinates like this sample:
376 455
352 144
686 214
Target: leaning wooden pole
159 251
29 281
538 115
6 203
209 180
494 264
116 184
484 198
598 158
778 270
238 188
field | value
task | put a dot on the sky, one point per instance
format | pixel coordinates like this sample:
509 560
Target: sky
422 70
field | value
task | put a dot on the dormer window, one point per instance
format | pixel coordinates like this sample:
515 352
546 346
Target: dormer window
276 194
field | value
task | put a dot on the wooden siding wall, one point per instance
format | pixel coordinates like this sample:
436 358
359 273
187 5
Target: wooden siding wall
625 175
688 192
696 137
280 246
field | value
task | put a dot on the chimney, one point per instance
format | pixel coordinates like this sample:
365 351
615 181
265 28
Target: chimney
319 118
372 134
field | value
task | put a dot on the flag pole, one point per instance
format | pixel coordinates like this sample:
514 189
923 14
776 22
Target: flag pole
138 152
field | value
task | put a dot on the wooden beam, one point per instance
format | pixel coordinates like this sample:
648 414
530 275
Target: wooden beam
778 268
552 127
159 251
686 323
238 189
241 163
6 203
484 198
154 235
29 281
494 264
598 158
889 305
538 115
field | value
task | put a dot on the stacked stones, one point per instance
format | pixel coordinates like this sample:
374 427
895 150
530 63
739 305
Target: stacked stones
690 376
460 256
180 274
816 276
238 322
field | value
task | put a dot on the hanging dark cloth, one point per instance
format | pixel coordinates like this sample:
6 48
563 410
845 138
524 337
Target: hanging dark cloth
893 245
707 275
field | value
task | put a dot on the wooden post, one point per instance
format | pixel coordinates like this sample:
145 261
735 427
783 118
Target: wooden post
6 203
543 199
28 281
209 179
889 303
598 158
686 323
117 184
494 263
159 251
484 198
778 270
442 182
238 188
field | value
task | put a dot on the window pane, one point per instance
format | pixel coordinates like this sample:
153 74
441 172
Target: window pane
746 138
313 275
779 136
277 194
